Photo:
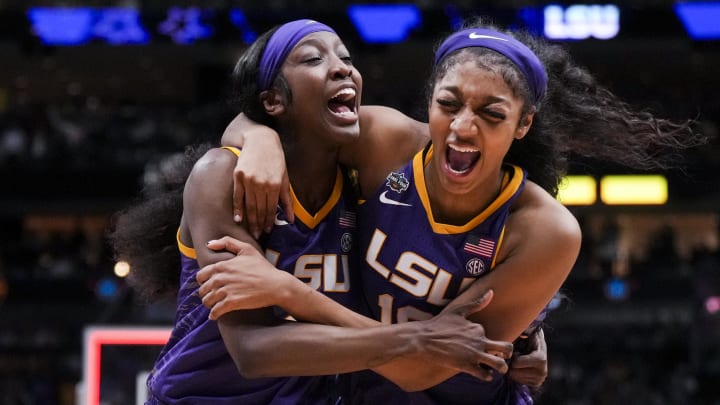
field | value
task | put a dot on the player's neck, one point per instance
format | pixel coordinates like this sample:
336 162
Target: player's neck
312 181
458 208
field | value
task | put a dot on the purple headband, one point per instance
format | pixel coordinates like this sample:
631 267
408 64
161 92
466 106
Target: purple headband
516 51
279 46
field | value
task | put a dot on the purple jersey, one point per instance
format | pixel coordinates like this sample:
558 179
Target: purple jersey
195 368
317 248
413 266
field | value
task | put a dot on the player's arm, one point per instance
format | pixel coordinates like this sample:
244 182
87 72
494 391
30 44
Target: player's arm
249 280
294 348
206 208
540 248
385 133
262 345
260 175
388 138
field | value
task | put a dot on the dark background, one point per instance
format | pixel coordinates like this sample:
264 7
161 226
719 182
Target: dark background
84 128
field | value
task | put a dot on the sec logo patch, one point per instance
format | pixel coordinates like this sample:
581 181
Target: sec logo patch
475 266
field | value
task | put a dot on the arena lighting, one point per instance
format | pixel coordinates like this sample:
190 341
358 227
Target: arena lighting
616 289
120 26
77 26
61 26
384 23
577 190
712 305
634 190
700 18
121 269
185 25
96 337
581 21
107 288
237 17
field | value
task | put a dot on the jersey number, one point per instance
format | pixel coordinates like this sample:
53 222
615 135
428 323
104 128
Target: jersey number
404 314
414 274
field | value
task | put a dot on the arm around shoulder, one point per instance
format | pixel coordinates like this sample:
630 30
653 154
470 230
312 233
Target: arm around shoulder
388 139
260 174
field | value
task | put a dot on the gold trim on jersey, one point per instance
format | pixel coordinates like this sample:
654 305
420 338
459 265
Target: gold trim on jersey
300 212
232 149
497 248
511 182
311 221
184 249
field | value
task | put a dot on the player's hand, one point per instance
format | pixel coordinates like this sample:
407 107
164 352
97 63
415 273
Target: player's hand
247 281
260 182
454 341
531 369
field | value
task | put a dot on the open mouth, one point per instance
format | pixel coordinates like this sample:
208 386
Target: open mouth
461 159
343 103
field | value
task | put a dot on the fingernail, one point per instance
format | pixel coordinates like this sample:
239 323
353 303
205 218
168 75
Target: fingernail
256 234
210 241
237 218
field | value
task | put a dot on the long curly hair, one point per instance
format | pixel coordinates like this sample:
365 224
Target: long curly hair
144 234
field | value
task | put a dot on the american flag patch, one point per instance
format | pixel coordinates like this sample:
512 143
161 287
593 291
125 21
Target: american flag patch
479 246
347 219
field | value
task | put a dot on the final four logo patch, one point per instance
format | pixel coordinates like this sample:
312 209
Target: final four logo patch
397 182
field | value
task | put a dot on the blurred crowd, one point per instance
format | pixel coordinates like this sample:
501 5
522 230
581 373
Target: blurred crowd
86 133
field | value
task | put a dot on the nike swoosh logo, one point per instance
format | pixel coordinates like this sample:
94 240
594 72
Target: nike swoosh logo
385 200
280 222
479 36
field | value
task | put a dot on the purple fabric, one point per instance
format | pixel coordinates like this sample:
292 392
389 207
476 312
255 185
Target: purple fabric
516 51
280 44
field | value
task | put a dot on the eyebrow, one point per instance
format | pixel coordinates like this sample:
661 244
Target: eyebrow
318 43
309 41
488 99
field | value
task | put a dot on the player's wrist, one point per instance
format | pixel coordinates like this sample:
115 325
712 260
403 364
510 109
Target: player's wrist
417 338
288 290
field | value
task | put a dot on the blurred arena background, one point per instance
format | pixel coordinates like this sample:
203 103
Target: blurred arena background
95 96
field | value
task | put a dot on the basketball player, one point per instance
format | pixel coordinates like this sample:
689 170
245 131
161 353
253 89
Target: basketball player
461 216
302 60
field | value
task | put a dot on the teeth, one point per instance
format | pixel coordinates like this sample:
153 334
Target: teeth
462 148
346 93
459 172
